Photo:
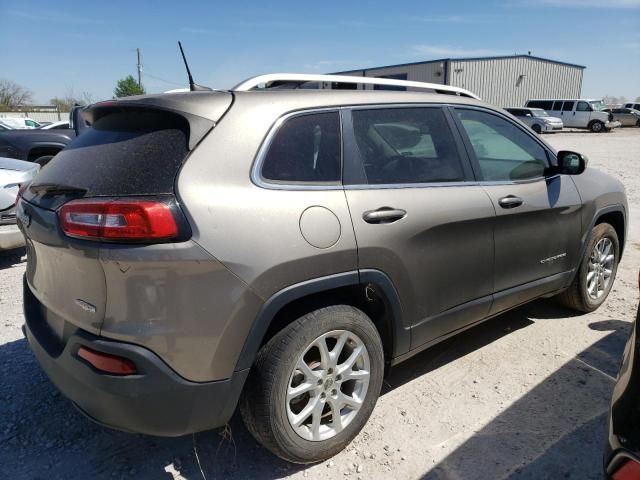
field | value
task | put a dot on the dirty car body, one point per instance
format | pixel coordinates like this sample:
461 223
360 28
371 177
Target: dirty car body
251 244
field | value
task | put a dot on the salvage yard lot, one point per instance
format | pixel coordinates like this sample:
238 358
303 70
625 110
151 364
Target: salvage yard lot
524 395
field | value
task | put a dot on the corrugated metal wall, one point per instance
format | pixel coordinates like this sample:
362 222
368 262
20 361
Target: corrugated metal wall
37 116
433 72
499 81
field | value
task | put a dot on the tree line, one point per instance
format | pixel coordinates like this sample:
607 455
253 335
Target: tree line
13 95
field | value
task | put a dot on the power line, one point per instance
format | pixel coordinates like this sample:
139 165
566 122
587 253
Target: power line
163 80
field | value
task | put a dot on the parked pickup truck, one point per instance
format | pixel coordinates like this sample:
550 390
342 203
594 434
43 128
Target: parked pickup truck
37 145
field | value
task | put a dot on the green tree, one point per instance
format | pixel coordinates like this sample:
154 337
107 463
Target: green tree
127 87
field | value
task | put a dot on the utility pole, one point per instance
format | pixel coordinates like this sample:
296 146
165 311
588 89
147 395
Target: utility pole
139 65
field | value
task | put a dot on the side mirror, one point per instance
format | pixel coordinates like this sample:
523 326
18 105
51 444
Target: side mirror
570 163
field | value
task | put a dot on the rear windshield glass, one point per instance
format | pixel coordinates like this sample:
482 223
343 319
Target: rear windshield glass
132 152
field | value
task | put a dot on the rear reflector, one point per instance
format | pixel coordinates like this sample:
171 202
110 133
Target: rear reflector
136 220
630 470
107 363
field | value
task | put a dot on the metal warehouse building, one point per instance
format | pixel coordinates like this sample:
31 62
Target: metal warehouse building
503 81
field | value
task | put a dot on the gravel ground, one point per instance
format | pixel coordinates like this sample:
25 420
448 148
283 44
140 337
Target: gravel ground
524 395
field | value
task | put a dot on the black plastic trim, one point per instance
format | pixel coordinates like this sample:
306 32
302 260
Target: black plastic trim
402 337
617 208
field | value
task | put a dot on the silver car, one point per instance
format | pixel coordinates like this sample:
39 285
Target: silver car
13 173
538 119
628 117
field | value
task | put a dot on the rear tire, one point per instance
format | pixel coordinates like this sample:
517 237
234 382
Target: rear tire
536 128
597 126
581 295
302 427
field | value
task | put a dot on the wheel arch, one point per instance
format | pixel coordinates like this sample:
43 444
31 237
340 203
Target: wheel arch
617 219
46 149
369 290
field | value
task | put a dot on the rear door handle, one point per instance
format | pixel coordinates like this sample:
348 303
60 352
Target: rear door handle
510 201
384 215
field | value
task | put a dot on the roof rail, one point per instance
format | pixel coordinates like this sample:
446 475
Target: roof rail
301 78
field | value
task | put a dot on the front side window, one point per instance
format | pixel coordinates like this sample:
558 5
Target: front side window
307 149
583 107
406 145
504 152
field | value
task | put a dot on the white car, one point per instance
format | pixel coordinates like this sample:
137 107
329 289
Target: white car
577 113
56 125
13 173
20 122
536 118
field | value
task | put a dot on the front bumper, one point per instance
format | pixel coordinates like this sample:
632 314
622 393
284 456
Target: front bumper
552 127
613 124
157 401
10 237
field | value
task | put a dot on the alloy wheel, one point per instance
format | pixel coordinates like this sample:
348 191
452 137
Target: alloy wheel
328 385
601 264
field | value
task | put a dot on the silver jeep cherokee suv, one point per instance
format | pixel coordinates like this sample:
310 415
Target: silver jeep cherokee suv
274 249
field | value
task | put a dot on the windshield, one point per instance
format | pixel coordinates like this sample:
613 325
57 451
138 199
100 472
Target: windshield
539 113
597 105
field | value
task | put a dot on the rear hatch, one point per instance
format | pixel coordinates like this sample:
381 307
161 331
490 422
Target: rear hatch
130 156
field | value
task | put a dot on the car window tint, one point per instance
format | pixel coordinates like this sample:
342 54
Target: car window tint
568 106
306 148
557 106
583 107
503 150
406 145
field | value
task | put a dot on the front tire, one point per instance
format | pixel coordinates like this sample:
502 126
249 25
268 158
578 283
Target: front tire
314 384
596 273
597 126
536 128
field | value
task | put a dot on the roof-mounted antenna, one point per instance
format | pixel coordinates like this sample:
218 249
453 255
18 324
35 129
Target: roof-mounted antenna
194 87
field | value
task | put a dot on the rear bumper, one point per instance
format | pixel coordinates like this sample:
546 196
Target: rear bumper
614 461
10 237
157 401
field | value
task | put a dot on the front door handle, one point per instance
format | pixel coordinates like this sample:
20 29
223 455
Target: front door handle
383 215
510 201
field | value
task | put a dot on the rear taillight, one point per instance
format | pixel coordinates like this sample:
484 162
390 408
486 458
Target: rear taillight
629 470
118 220
111 364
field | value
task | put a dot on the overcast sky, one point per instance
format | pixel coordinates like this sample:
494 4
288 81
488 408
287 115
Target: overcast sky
53 48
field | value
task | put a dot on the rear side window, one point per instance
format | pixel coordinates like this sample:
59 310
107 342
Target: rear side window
305 149
130 152
543 104
406 145
568 106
